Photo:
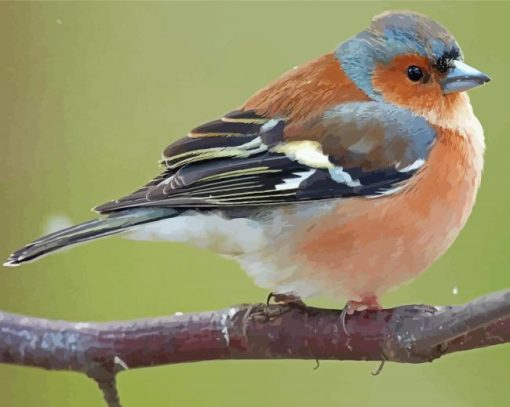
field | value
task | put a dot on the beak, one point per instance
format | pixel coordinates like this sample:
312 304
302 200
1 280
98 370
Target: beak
462 77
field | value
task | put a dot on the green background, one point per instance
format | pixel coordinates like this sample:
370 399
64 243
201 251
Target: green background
91 93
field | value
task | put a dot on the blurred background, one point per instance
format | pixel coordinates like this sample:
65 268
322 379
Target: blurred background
91 93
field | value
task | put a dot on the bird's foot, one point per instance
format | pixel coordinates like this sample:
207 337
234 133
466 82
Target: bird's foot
285 299
288 301
368 302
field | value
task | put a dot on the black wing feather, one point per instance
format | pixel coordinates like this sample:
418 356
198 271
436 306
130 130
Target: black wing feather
244 160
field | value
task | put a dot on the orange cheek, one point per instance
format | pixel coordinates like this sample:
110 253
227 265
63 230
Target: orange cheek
396 88
424 99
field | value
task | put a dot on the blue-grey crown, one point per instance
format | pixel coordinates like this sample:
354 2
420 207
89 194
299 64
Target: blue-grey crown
391 34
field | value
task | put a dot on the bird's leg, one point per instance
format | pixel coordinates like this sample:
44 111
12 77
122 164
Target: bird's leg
286 299
368 302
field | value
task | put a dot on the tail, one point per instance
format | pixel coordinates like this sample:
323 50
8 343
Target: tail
94 229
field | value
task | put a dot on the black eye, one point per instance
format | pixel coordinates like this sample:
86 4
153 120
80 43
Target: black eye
414 73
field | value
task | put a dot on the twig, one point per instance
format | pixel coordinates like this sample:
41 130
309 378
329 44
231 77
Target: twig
407 334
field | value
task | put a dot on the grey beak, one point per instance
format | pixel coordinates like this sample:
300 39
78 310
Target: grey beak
462 77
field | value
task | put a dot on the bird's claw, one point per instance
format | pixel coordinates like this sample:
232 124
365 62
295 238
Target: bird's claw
367 303
285 299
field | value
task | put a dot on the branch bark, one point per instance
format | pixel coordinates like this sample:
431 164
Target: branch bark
406 334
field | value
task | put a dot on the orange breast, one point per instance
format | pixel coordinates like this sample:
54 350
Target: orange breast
370 245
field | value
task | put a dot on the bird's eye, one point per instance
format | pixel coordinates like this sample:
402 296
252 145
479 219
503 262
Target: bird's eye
414 73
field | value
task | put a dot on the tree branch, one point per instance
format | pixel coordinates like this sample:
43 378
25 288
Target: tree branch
406 334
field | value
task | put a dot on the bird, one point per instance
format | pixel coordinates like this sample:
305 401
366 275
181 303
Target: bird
345 177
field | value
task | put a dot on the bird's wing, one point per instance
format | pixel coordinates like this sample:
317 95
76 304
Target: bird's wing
367 149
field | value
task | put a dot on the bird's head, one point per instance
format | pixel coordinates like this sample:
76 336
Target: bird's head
410 60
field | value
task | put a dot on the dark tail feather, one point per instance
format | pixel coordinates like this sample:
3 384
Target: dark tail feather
114 223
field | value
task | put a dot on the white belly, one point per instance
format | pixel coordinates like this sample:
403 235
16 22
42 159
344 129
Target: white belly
210 230
258 244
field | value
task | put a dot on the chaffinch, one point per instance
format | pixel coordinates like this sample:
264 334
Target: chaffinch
348 175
